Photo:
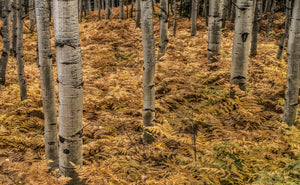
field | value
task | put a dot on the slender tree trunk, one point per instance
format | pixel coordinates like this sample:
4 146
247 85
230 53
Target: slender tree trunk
138 14
256 27
163 42
175 18
214 33
224 12
194 18
267 5
131 9
47 82
241 43
233 10
107 9
31 15
99 9
95 4
121 8
14 28
20 62
288 14
6 18
89 5
293 72
271 19
148 69
70 87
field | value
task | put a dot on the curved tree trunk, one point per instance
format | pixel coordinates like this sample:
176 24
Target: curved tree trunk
241 43
148 69
163 20
214 33
194 17
20 62
6 17
47 82
256 27
288 14
70 87
293 72
138 14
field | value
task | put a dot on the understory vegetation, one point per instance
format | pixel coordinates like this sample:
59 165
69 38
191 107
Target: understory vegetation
201 135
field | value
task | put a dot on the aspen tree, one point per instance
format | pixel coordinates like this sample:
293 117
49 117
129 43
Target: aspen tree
256 26
148 69
293 71
31 15
6 17
47 82
163 20
194 17
70 87
138 13
241 43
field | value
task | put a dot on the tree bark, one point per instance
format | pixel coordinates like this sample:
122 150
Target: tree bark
241 43
194 17
31 16
6 18
14 28
163 20
148 70
256 27
214 33
293 72
175 18
288 14
47 82
121 8
20 62
107 10
138 14
271 19
70 87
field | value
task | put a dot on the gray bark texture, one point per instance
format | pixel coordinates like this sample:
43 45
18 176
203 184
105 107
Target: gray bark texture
47 82
70 87
138 14
121 8
241 43
14 28
148 69
288 15
256 27
163 29
31 15
20 62
107 10
214 33
6 18
293 72
175 18
194 17
270 22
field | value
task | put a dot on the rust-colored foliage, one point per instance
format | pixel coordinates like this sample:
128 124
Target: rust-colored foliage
202 135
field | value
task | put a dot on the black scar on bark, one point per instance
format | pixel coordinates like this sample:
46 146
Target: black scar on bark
66 151
61 139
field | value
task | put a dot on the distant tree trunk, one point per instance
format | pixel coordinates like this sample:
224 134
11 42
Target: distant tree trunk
14 28
20 62
256 27
267 5
241 43
175 18
47 82
224 14
89 5
271 19
148 70
232 14
131 9
99 9
163 42
121 8
194 17
31 15
288 14
70 87
6 18
107 9
95 4
214 33
293 72
138 14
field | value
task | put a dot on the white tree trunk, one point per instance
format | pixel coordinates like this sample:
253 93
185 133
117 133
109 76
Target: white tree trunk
293 72
31 15
241 43
107 9
6 17
20 62
194 17
214 33
163 42
47 82
70 87
148 69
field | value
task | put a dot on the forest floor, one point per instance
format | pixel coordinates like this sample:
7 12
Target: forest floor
202 135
